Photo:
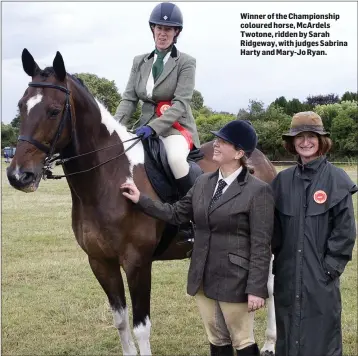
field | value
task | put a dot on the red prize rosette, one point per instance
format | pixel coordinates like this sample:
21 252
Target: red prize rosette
160 109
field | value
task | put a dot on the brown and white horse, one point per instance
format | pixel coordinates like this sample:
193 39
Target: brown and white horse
59 115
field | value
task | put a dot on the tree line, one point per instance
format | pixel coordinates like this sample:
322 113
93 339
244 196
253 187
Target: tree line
339 115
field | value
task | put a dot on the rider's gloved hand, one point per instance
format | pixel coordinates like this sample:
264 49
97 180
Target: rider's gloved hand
144 132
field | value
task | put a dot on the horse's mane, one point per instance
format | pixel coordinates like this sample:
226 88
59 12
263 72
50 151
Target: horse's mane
49 71
79 81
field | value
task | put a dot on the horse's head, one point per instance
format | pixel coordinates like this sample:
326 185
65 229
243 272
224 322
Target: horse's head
45 122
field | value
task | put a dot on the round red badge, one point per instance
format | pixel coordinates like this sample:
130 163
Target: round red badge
320 196
162 106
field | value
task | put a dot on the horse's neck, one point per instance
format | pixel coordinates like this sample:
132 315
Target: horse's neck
95 128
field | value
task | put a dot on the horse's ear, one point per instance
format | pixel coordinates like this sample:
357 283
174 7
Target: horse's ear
59 67
29 64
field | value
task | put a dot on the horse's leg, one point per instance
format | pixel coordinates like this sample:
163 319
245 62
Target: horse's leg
269 346
108 274
139 284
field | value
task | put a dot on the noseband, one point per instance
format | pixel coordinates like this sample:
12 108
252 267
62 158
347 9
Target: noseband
65 116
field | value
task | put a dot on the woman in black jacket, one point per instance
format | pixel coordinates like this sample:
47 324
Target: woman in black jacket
314 236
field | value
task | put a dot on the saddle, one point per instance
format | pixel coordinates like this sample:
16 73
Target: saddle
164 184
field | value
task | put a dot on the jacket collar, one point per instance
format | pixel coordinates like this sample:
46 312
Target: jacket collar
175 54
169 65
243 176
311 167
233 190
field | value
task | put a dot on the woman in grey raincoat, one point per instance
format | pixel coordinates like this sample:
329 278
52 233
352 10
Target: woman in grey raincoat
313 241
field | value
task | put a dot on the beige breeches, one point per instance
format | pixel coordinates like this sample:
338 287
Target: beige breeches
226 323
177 150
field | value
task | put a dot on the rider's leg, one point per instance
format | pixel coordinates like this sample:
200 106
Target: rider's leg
177 150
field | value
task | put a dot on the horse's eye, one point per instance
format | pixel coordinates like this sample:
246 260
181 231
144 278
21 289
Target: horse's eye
54 112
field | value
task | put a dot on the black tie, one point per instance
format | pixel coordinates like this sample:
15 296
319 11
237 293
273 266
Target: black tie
218 193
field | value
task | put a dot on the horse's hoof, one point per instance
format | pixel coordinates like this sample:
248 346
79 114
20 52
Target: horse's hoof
267 353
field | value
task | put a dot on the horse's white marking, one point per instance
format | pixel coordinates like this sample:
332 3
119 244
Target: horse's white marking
121 322
17 170
271 318
34 100
142 334
135 155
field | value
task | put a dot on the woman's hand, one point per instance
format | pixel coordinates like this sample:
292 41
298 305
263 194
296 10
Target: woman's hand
132 192
255 303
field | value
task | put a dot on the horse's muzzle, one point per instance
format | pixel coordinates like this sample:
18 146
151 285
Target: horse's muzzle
23 180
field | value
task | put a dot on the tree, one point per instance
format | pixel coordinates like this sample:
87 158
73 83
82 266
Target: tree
294 106
255 111
322 99
212 123
197 101
103 89
341 120
133 122
269 138
8 135
206 111
344 134
270 129
15 123
349 96
281 101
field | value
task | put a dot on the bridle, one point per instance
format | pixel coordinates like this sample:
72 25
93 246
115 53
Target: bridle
50 151
65 116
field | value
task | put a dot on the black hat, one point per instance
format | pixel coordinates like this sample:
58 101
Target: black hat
240 133
166 14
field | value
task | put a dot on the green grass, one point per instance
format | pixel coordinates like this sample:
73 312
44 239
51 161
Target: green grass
53 305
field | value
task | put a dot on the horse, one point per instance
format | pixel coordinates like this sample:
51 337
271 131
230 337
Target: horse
61 118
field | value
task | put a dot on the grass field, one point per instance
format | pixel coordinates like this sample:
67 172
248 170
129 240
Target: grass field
53 305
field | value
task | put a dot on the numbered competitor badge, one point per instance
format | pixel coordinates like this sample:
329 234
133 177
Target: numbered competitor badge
320 196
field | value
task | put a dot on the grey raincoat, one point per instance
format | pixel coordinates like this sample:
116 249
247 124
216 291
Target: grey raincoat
313 241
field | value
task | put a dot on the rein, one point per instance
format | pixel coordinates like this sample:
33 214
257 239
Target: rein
48 173
50 157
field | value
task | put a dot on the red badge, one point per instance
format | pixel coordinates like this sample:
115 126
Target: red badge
320 197
164 105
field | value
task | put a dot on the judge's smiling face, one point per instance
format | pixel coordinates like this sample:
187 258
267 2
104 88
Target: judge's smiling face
307 146
225 152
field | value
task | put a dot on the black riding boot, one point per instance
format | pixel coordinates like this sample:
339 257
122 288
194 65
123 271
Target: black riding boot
252 350
225 350
185 183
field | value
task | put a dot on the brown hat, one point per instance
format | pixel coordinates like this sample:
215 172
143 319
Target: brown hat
306 121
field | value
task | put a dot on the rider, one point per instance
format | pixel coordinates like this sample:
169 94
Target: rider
164 80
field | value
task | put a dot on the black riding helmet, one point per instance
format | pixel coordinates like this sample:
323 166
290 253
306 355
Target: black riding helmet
166 14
